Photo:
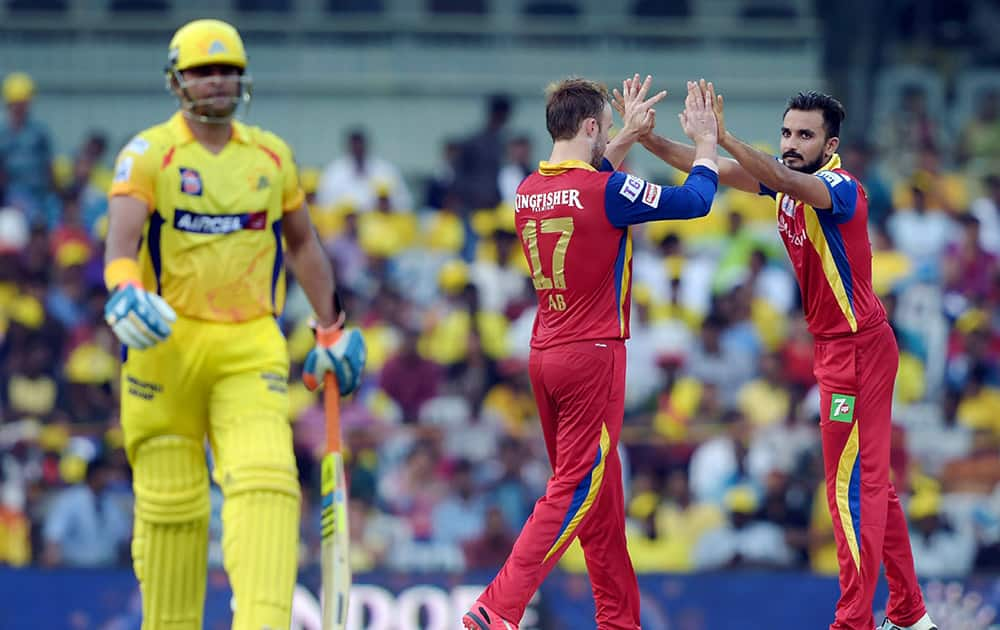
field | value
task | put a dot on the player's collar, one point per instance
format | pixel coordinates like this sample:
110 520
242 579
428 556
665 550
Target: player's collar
181 131
832 163
558 168
179 128
240 133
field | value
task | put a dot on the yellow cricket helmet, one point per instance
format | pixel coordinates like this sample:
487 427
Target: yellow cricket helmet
206 42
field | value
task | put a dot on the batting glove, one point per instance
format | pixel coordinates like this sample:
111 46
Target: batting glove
139 319
339 352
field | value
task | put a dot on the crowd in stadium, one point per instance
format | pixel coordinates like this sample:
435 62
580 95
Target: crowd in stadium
721 445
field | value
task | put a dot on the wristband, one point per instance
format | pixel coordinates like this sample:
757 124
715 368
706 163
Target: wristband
121 271
707 163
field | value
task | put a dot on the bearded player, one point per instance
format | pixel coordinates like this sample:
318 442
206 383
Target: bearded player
822 212
200 205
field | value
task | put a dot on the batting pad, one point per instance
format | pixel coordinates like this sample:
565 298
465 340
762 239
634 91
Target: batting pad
170 543
260 518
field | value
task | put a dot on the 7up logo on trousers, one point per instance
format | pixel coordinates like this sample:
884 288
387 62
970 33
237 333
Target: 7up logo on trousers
842 408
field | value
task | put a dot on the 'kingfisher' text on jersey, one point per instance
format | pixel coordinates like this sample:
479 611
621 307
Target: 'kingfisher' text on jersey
581 262
547 201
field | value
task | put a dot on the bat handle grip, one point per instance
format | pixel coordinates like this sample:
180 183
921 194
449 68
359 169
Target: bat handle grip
331 404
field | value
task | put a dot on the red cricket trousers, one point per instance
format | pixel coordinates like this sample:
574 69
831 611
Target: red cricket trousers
580 390
856 376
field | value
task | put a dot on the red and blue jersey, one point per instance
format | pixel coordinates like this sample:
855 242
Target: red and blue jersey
573 221
832 255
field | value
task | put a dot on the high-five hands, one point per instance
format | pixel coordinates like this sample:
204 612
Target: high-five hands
717 106
699 118
638 115
701 99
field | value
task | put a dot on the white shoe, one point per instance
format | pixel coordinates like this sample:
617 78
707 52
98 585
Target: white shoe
924 623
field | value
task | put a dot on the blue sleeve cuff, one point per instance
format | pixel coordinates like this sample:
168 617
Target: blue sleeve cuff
705 182
706 172
764 190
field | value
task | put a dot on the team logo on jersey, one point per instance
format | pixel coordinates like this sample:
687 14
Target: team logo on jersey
190 182
187 221
263 182
788 205
631 188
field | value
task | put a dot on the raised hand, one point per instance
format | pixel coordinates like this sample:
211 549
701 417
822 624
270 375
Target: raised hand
638 115
698 118
717 107
617 100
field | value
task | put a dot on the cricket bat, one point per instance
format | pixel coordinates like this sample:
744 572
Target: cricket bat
333 524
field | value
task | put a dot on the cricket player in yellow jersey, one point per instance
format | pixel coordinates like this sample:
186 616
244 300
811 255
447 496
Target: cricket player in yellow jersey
200 207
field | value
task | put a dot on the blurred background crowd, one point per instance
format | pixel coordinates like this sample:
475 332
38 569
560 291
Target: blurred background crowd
721 444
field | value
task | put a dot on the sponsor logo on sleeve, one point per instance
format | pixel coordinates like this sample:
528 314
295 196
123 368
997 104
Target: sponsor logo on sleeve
124 170
831 178
652 195
631 188
137 145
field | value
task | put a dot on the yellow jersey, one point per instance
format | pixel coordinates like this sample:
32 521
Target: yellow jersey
213 245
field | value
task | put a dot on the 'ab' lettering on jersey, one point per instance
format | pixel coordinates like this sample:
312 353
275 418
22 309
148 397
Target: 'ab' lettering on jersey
573 221
831 254
212 247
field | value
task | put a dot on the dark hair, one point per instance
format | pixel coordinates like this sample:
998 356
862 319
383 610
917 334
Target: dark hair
833 111
498 104
355 134
569 103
